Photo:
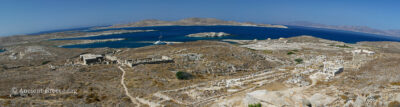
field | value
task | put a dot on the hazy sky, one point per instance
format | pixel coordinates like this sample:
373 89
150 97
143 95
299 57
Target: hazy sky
29 16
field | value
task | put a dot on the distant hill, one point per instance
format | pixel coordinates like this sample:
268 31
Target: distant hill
189 22
363 29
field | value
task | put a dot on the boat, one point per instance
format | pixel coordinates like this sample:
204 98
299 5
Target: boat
159 43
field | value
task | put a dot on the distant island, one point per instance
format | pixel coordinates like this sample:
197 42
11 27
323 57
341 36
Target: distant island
190 22
208 34
22 39
362 29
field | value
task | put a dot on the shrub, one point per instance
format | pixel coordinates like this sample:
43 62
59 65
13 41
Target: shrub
83 70
183 75
92 97
298 60
255 105
343 46
45 62
290 53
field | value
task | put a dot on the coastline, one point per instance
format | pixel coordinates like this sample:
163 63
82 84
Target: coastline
267 26
111 32
79 42
168 42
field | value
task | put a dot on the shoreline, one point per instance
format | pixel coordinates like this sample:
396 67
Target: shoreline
80 42
104 33
168 42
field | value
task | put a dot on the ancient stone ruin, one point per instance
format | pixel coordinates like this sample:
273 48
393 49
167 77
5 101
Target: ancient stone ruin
163 59
333 68
90 59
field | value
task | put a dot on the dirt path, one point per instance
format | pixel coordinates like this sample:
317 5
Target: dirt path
133 99
136 100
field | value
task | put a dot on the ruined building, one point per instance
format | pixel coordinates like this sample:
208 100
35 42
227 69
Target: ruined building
363 51
111 59
89 59
163 59
332 68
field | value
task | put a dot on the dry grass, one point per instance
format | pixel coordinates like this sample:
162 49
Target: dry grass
268 51
395 83
275 86
344 97
394 104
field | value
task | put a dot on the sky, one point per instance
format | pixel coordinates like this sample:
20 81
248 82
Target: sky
30 16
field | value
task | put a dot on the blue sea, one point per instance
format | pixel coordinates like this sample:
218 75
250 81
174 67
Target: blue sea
178 33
